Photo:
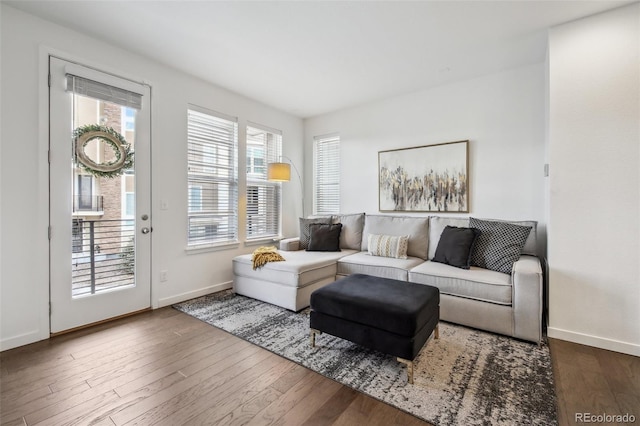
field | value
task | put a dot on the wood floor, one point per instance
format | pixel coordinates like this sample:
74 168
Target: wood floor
167 368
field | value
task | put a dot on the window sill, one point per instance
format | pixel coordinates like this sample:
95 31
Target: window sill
262 241
203 248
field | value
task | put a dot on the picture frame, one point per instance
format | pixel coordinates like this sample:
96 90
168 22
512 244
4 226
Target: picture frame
429 178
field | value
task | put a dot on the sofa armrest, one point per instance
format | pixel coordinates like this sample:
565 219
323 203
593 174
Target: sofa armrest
527 282
290 244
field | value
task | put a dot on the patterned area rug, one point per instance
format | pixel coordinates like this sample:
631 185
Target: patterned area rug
466 377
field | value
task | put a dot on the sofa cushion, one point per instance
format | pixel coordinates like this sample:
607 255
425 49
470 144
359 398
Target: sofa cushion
417 228
499 244
299 269
305 234
352 226
455 246
385 267
388 246
474 283
290 244
324 237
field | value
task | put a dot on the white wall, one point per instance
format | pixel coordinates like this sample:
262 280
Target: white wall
594 224
24 287
501 114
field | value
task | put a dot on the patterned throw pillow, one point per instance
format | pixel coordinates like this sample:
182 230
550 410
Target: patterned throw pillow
388 246
499 245
305 234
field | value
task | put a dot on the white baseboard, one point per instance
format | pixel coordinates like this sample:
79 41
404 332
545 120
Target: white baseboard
595 341
193 294
23 339
37 335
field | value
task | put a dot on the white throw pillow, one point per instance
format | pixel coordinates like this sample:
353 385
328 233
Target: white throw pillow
388 245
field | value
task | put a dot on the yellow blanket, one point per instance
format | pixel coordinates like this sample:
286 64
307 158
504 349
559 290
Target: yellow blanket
262 255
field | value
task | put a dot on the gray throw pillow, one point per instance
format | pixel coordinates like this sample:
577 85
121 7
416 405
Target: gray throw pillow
305 234
324 237
499 245
456 246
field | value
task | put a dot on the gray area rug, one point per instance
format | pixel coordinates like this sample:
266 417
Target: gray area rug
466 377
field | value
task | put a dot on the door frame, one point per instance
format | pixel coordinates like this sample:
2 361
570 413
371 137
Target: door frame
45 141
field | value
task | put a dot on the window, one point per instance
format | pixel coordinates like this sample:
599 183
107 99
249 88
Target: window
130 204
128 186
255 161
326 174
76 235
264 146
212 142
195 198
84 193
128 119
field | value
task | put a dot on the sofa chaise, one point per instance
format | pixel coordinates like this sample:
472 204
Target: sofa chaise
508 302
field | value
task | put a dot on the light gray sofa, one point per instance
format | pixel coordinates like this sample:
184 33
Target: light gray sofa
510 304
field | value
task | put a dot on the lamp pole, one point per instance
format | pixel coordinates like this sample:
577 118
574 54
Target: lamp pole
299 180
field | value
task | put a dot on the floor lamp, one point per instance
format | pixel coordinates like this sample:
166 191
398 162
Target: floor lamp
281 172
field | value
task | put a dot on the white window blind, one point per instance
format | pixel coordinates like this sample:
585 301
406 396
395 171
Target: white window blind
326 169
94 89
264 205
212 144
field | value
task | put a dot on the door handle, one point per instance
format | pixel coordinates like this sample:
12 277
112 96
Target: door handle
146 230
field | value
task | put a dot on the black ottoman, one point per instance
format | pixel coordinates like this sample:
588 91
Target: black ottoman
391 316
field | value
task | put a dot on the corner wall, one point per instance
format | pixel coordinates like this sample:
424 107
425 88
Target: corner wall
594 219
503 116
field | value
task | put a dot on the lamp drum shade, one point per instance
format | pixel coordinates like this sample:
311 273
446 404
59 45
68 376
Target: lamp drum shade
279 172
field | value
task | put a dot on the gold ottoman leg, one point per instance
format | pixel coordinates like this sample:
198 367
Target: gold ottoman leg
312 336
436 332
409 365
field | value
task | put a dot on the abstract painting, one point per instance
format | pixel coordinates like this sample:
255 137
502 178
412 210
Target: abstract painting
431 178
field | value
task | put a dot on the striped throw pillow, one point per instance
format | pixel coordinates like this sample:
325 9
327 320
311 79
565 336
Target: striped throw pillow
388 246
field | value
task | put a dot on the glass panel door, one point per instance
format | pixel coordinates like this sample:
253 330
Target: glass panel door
99 191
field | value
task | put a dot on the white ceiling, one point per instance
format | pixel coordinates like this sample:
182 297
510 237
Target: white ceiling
313 57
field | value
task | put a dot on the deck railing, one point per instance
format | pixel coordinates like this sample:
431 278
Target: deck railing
103 255
88 203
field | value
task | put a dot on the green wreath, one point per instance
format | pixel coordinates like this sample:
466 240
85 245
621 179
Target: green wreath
124 156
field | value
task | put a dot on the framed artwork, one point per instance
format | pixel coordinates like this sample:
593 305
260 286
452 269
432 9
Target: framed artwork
431 178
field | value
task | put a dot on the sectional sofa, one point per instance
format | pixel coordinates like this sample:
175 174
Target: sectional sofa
504 303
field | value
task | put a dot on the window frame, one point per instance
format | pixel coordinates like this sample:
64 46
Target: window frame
212 165
334 162
269 216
